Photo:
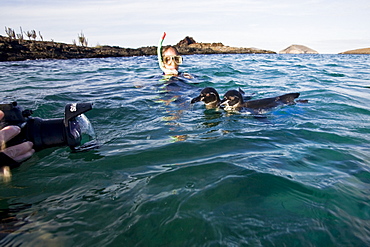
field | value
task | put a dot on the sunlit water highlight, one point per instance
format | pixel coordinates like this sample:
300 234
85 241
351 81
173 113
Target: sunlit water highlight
173 174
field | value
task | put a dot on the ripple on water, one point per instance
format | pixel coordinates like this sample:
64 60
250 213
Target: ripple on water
168 173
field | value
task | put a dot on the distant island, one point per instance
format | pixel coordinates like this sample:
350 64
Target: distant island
298 49
357 51
19 50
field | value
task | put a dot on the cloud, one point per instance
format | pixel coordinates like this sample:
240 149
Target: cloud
246 23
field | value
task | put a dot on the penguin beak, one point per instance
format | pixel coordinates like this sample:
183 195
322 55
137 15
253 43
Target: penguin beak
222 103
197 99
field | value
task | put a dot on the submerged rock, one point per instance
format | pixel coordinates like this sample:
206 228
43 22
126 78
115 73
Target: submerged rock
298 49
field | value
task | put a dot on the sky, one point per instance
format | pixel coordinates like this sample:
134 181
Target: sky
327 26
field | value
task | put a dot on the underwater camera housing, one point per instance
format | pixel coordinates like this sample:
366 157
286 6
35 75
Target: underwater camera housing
74 130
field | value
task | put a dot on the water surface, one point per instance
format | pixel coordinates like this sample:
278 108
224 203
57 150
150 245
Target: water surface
173 174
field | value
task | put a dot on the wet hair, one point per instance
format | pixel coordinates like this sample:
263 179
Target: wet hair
168 48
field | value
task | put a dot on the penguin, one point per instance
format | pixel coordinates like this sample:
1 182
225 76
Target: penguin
211 98
233 101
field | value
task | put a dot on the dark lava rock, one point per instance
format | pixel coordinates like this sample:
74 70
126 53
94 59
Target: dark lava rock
18 50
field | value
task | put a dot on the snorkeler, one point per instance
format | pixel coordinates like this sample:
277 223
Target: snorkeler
170 60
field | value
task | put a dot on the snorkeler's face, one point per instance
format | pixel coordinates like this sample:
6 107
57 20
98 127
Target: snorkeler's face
171 60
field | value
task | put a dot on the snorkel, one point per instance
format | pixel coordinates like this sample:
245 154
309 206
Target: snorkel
160 61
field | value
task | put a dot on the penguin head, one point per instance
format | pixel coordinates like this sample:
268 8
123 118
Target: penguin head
232 100
209 96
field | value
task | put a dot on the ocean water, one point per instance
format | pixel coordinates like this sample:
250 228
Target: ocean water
169 173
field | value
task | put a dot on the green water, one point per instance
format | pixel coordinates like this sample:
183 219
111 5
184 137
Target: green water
173 174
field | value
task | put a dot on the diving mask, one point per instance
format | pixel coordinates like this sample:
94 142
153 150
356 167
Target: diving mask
177 59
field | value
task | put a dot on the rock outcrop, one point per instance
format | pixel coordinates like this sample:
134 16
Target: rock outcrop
298 49
357 51
186 41
190 46
17 50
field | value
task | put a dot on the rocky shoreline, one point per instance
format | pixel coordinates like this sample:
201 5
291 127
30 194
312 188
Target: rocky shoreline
19 50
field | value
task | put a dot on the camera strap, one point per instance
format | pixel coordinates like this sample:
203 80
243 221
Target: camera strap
5 160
